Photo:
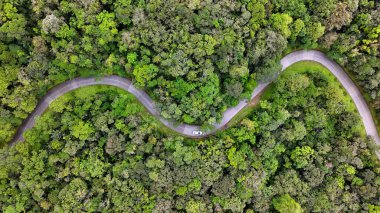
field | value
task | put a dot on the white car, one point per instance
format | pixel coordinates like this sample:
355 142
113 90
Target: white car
197 132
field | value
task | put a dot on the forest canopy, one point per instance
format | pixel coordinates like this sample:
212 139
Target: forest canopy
195 58
301 149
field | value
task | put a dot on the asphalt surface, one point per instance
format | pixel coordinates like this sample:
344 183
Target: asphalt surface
187 130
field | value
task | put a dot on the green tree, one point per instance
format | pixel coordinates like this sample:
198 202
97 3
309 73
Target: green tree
285 203
144 74
82 130
302 156
313 31
193 206
12 23
281 22
373 209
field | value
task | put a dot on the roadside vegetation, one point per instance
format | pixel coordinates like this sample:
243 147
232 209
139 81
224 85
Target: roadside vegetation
97 149
196 58
304 67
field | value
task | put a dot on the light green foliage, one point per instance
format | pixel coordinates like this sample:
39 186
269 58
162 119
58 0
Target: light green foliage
285 204
357 181
194 185
350 170
314 31
193 206
239 72
75 191
256 21
144 74
12 23
297 28
125 105
340 181
281 23
94 165
7 75
236 158
6 132
61 105
209 44
302 156
185 154
181 88
107 27
155 163
181 190
373 209
82 130
132 57
154 176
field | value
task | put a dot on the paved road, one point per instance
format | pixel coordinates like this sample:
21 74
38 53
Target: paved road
187 130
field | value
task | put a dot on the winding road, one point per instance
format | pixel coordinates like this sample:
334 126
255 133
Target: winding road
187 130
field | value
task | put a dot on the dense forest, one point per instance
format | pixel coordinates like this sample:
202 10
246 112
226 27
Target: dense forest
301 149
97 149
194 57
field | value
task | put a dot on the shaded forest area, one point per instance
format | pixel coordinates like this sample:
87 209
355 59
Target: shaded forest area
97 149
194 57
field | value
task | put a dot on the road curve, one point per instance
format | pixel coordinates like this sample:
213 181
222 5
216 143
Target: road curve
187 130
